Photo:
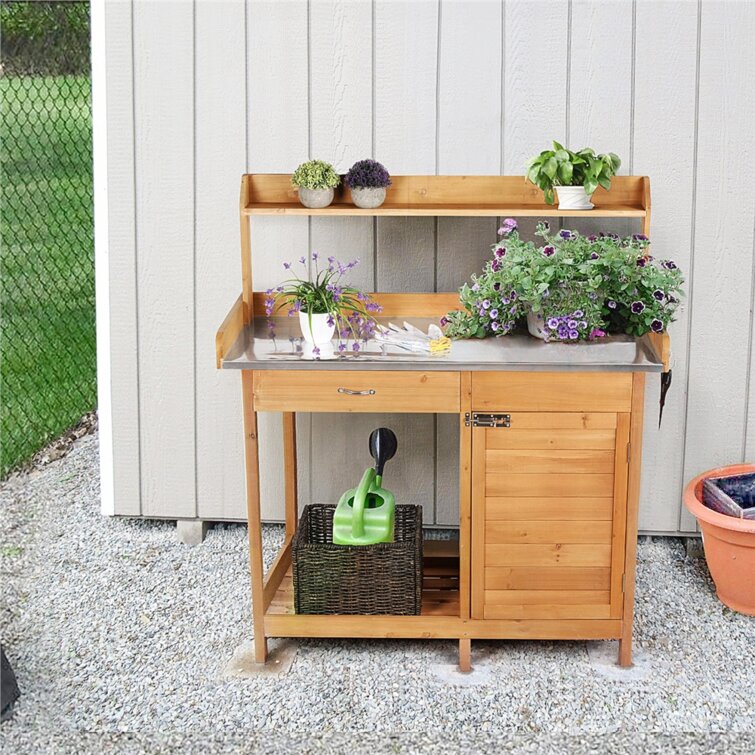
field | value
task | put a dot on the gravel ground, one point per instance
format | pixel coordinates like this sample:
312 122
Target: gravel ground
119 636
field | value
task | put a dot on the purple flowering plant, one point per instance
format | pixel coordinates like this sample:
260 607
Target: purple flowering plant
365 174
321 289
584 287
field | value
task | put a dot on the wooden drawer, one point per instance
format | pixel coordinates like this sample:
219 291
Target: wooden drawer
356 391
552 391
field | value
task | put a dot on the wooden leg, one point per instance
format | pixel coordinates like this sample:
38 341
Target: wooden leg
256 565
465 655
289 466
625 647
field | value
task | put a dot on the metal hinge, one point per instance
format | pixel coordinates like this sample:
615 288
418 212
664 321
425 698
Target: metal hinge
491 420
466 419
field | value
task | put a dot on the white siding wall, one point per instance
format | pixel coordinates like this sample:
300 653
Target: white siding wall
195 93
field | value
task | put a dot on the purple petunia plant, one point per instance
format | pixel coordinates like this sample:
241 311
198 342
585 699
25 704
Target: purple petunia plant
365 174
584 287
321 289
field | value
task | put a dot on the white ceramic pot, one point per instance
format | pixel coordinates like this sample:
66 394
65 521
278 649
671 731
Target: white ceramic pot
573 198
368 197
315 199
536 324
320 333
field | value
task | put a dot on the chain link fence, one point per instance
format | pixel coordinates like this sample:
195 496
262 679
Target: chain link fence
47 315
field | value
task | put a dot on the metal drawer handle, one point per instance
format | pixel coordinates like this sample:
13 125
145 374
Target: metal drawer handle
349 392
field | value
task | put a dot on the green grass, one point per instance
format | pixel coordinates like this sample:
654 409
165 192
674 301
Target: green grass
47 331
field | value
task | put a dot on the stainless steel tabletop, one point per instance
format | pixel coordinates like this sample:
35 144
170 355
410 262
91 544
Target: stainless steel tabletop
256 350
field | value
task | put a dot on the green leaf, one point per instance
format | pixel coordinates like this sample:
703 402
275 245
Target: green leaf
605 182
562 154
557 146
565 171
590 185
550 167
549 198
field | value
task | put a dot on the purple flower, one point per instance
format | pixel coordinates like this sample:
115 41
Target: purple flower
505 300
563 331
578 313
669 264
656 326
638 307
496 287
315 256
512 295
316 351
507 227
611 304
512 311
582 324
552 323
658 295
592 296
592 238
494 325
549 251
367 174
495 266
486 303
476 287
597 333
331 322
639 237
500 252
302 260
493 314
341 347
355 347
443 322
572 324
594 256
566 234
641 262
287 265
573 335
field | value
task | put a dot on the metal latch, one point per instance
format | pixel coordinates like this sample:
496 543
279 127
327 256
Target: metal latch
491 420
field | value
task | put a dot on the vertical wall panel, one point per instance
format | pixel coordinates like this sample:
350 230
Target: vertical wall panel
121 259
220 104
164 118
278 140
721 293
664 133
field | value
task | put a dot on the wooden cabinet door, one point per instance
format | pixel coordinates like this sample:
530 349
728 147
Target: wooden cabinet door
549 493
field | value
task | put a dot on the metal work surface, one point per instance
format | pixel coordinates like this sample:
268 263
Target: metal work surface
256 350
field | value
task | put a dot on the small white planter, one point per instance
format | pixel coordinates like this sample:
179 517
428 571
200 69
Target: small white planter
573 198
368 197
536 325
320 333
315 199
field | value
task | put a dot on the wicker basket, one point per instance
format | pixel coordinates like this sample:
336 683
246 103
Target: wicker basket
366 579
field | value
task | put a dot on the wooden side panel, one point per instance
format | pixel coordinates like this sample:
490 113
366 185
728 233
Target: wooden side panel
664 145
220 141
164 97
721 295
552 392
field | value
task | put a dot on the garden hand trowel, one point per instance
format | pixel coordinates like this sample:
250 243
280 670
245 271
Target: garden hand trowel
365 515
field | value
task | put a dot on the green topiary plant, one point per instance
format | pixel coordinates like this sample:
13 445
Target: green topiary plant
315 174
562 167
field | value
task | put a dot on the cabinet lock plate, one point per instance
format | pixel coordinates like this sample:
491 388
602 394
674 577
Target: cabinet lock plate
480 419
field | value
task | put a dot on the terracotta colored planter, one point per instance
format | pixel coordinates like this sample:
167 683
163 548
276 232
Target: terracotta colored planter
729 544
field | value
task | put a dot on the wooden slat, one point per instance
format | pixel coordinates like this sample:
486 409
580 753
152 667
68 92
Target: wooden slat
551 392
618 546
547 578
569 509
552 531
552 439
555 421
479 505
555 611
470 195
300 391
440 549
280 568
465 496
565 485
546 597
548 555
538 461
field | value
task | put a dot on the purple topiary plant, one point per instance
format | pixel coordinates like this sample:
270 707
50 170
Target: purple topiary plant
367 174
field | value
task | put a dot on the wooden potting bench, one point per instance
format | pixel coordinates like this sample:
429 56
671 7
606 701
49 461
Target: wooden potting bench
550 440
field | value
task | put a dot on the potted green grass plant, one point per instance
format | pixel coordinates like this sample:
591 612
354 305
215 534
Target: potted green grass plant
573 175
315 181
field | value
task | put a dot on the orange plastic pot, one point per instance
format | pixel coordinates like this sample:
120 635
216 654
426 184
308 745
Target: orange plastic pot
729 544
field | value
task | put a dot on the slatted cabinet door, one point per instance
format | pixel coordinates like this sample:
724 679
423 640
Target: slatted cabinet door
549 496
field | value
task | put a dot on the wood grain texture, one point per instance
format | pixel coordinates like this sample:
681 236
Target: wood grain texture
664 145
536 509
539 462
165 250
122 262
548 485
551 439
571 554
547 531
548 578
220 147
723 242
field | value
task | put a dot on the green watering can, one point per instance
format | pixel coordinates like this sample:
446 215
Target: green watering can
365 515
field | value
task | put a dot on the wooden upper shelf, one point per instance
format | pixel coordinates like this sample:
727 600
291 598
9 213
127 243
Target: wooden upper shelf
273 194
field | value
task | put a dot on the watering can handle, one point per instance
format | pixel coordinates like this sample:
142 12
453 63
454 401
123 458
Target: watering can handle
360 499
